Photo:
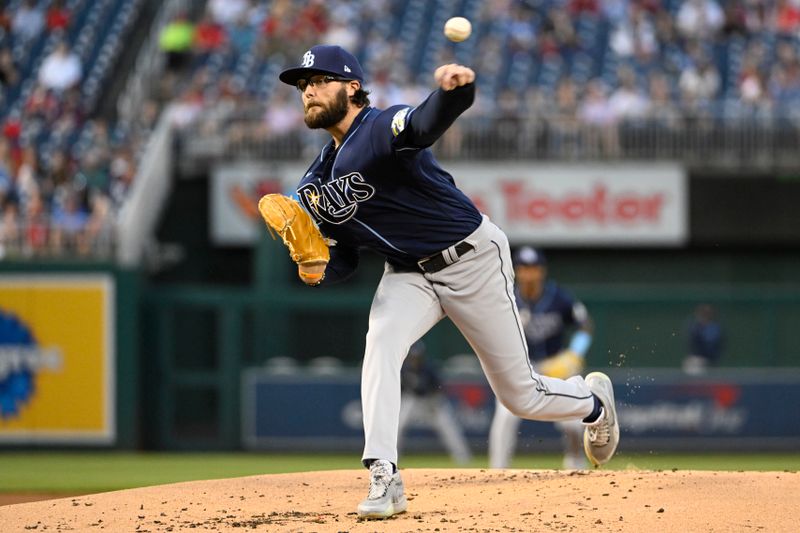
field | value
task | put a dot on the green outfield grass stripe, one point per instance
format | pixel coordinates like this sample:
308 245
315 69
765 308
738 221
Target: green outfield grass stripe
84 472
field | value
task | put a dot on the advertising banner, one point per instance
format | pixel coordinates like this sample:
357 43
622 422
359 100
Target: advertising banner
657 410
57 361
581 204
235 191
631 204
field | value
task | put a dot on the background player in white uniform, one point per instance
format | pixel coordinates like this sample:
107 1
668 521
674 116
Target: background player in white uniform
548 314
377 186
423 400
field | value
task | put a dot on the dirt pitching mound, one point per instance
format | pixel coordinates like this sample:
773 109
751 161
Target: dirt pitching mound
439 500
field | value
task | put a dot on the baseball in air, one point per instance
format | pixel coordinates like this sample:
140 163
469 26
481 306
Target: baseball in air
457 29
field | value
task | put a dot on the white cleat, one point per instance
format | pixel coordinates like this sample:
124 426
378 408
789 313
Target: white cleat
386 496
601 437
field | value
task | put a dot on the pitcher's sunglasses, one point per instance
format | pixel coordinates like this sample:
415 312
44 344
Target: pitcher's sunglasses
317 81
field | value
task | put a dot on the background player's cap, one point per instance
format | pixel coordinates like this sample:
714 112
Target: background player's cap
529 256
322 59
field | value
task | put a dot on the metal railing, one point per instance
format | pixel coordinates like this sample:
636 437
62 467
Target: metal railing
724 143
45 239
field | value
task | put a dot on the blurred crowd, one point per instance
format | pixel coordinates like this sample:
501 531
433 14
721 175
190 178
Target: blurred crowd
64 172
588 65
576 67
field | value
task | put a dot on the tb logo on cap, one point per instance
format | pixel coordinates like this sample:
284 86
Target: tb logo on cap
308 60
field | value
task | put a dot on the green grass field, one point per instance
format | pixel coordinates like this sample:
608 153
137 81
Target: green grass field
87 472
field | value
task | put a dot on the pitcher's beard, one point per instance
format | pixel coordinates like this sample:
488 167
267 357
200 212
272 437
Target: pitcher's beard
329 115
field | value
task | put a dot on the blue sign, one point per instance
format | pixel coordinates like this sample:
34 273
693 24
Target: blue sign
16 372
657 409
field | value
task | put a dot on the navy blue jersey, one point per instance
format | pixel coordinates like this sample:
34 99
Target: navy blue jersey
705 340
383 190
419 377
547 320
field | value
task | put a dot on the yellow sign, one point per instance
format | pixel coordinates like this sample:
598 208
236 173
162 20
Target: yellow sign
57 359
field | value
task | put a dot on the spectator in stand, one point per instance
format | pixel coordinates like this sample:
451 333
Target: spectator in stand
559 24
28 21
735 24
186 110
666 34
784 83
28 175
627 102
6 171
662 112
614 10
9 74
281 118
61 70
595 112
580 7
521 34
41 105
93 176
71 113
35 227
276 28
5 19
700 19
58 16
70 219
227 12
312 21
383 93
635 35
751 85
507 122
176 41
9 226
563 119
257 13
758 16
209 36
58 176
787 18
342 33
122 171
699 82
242 35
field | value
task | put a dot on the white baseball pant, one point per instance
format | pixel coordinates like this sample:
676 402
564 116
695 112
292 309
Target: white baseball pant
477 293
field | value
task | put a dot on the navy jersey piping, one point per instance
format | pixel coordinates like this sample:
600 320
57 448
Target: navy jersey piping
349 136
378 235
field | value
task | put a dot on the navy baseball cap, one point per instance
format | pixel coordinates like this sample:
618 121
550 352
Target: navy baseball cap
323 59
529 256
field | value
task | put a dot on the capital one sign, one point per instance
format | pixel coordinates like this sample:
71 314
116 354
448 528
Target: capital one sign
627 204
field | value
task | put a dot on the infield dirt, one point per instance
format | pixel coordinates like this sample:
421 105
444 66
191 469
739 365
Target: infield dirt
439 500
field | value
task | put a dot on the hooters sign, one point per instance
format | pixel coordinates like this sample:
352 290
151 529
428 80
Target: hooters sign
566 205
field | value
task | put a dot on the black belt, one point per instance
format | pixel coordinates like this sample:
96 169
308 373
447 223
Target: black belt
436 262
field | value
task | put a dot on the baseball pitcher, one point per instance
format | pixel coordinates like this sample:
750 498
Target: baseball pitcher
376 185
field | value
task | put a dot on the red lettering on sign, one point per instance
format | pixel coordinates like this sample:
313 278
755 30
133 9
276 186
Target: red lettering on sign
598 206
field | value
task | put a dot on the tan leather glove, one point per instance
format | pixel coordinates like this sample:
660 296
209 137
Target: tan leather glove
307 246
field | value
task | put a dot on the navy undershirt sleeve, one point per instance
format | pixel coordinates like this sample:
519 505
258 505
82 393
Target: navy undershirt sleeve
344 261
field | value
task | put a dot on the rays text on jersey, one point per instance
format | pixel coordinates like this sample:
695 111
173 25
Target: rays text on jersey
336 201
